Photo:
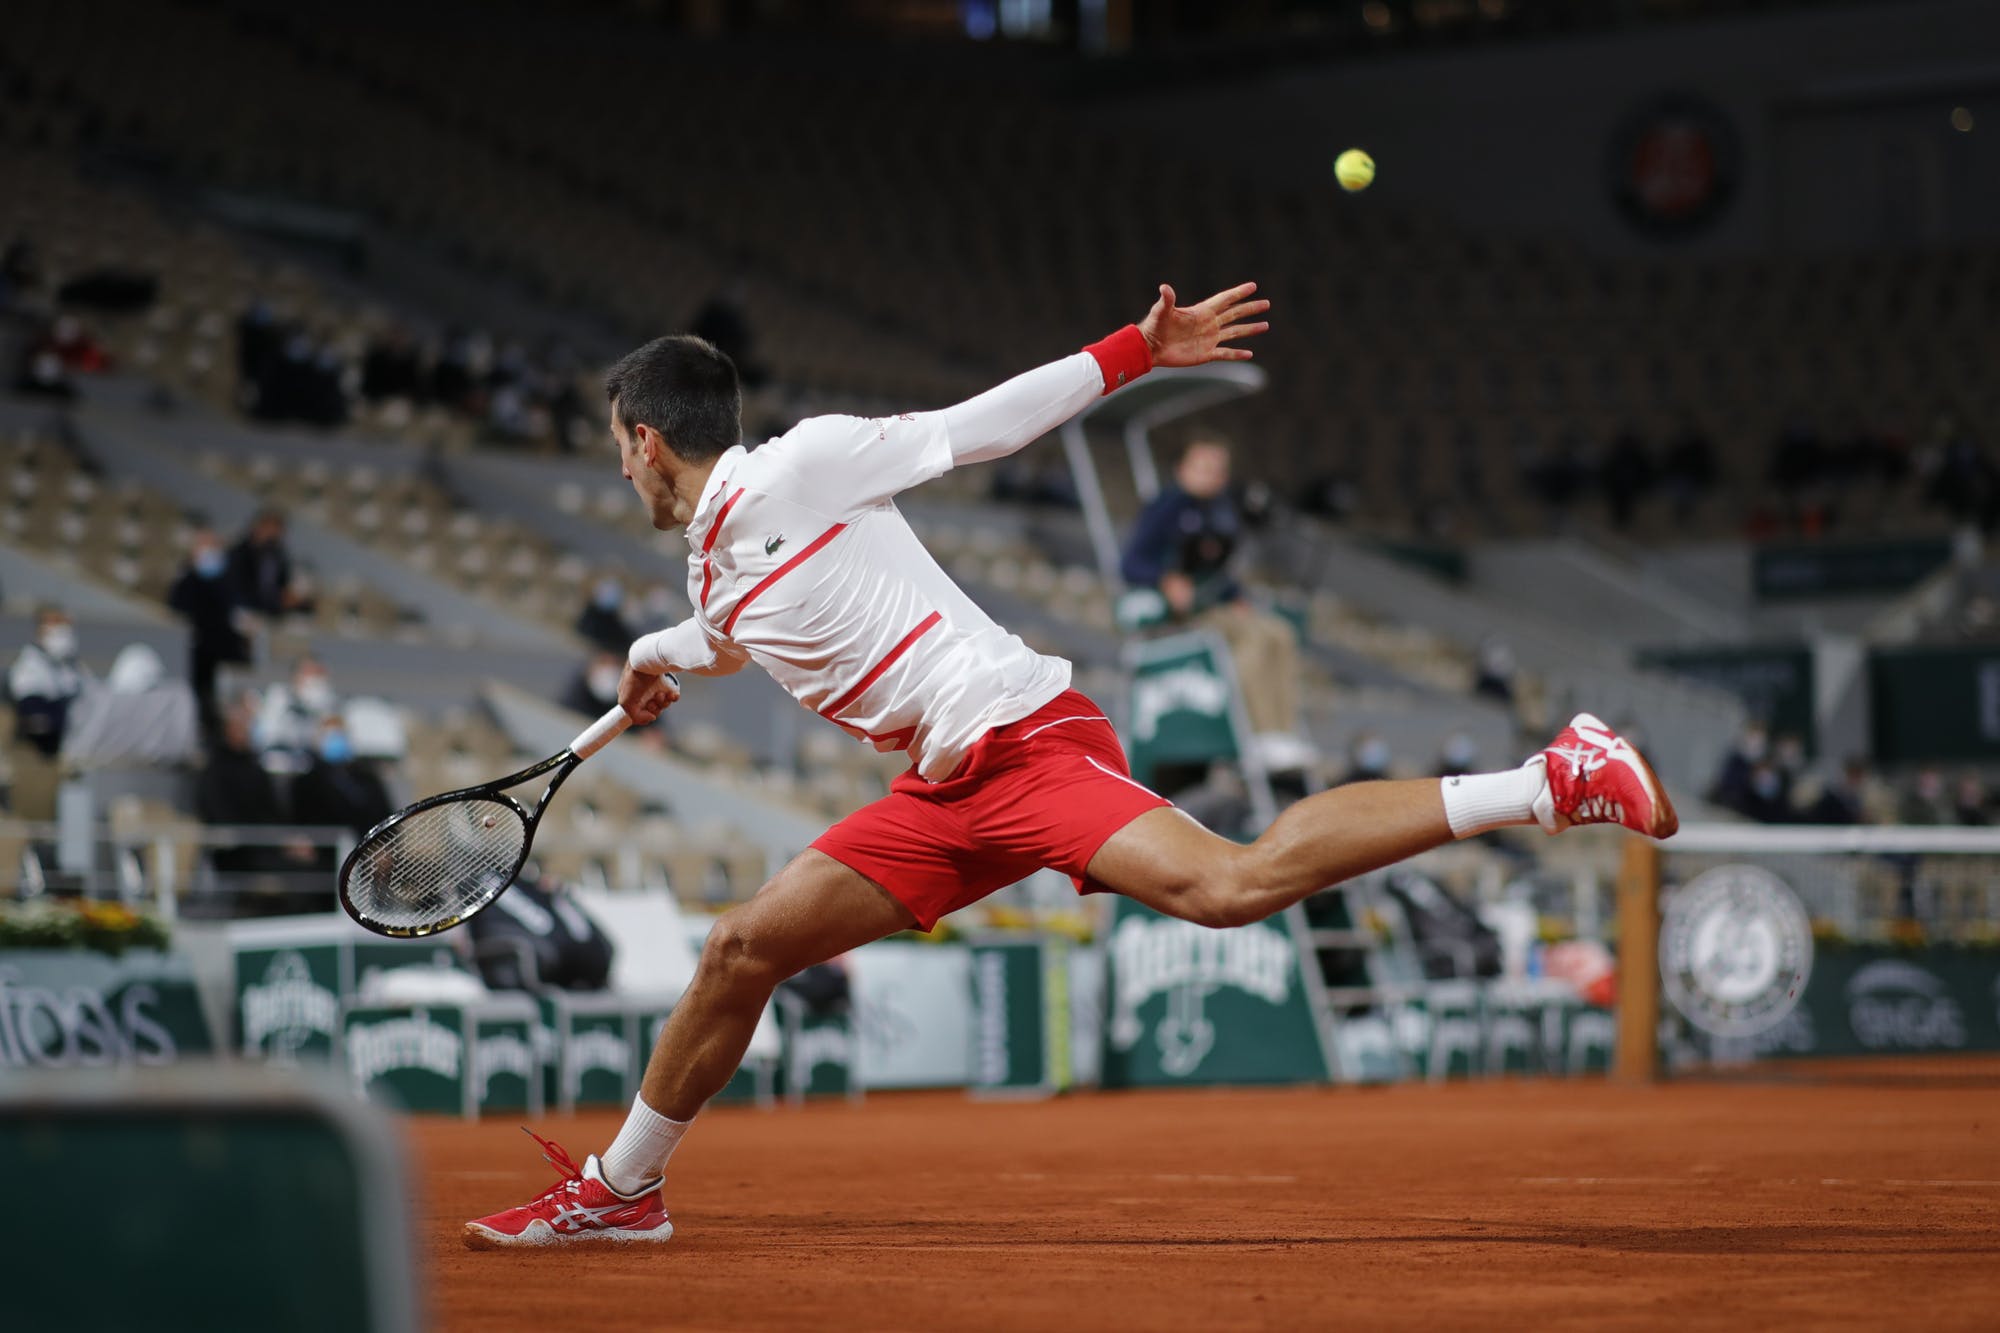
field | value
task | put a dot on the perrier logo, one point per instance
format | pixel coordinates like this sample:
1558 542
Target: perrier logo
1188 963
416 1042
287 1008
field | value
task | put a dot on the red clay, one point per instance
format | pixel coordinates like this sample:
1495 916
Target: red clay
1843 1196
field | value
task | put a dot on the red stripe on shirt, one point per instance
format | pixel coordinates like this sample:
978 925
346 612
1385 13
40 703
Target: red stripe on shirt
708 544
924 627
729 625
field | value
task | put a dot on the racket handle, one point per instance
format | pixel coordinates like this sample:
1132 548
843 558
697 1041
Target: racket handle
599 733
608 728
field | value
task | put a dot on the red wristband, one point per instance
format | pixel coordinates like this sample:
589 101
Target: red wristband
1123 357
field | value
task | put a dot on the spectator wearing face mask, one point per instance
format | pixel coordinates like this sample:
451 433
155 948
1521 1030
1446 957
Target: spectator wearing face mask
1367 760
1731 788
1459 755
218 619
45 680
603 622
288 724
594 688
337 789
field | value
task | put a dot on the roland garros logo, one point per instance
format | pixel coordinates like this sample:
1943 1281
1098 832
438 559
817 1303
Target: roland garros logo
1735 950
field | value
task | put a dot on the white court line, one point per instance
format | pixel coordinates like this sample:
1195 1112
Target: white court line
1182 1178
1766 1180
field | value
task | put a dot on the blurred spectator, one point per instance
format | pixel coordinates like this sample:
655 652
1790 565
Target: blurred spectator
1844 798
261 567
234 789
1731 788
337 789
81 354
602 621
1557 476
1495 679
1962 479
1798 459
1367 760
391 367
594 688
45 680
723 321
43 374
300 380
1458 755
288 723
20 273
218 620
259 338
1625 476
1181 546
1688 470
1767 795
52 361
1969 800
1925 802
461 364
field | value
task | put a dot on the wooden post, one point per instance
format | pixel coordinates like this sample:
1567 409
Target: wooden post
1638 1055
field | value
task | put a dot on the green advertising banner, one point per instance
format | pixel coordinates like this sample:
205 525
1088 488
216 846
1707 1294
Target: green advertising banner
292 974
412 1057
1181 707
288 1002
66 1009
1938 702
1864 999
1020 1014
1775 684
819 1050
1782 571
1190 1005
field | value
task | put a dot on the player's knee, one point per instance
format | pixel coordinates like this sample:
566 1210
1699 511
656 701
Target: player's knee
735 956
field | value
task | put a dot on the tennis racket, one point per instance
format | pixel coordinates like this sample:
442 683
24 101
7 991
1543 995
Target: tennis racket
431 865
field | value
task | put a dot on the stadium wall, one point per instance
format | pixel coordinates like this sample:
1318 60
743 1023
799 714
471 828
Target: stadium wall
1840 117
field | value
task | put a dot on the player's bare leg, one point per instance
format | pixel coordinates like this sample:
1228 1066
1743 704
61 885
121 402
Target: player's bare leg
1174 865
812 910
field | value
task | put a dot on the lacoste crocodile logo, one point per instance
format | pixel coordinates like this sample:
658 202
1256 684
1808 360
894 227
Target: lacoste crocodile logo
771 546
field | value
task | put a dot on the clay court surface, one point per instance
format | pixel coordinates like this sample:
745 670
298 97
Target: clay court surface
1830 1196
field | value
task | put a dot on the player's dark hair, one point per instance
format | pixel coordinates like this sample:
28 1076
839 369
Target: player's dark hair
683 388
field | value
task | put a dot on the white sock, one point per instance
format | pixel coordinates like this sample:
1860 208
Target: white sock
1478 802
638 1156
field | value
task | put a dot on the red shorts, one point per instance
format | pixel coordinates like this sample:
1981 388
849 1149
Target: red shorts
1048 790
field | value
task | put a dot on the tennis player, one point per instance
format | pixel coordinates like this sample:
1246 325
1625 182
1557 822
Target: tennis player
799 562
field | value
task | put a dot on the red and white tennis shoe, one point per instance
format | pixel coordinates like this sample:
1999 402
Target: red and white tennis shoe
1596 777
579 1207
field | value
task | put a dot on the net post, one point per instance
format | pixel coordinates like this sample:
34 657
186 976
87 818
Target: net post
1638 1056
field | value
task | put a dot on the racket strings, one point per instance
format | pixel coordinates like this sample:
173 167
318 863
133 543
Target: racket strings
435 865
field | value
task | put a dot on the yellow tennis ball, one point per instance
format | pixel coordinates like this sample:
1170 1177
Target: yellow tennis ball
1354 169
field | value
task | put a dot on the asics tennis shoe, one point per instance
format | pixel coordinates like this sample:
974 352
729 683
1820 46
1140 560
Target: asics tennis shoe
581 1206
1596 777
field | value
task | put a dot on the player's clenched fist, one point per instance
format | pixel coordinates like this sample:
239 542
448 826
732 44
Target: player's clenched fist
645 696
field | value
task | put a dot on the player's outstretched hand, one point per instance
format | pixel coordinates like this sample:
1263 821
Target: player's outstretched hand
644 697
1192 335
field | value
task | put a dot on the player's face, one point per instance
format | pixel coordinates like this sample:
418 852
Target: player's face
651 488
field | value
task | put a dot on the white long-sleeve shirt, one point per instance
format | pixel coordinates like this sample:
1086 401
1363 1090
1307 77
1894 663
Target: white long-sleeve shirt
799 561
